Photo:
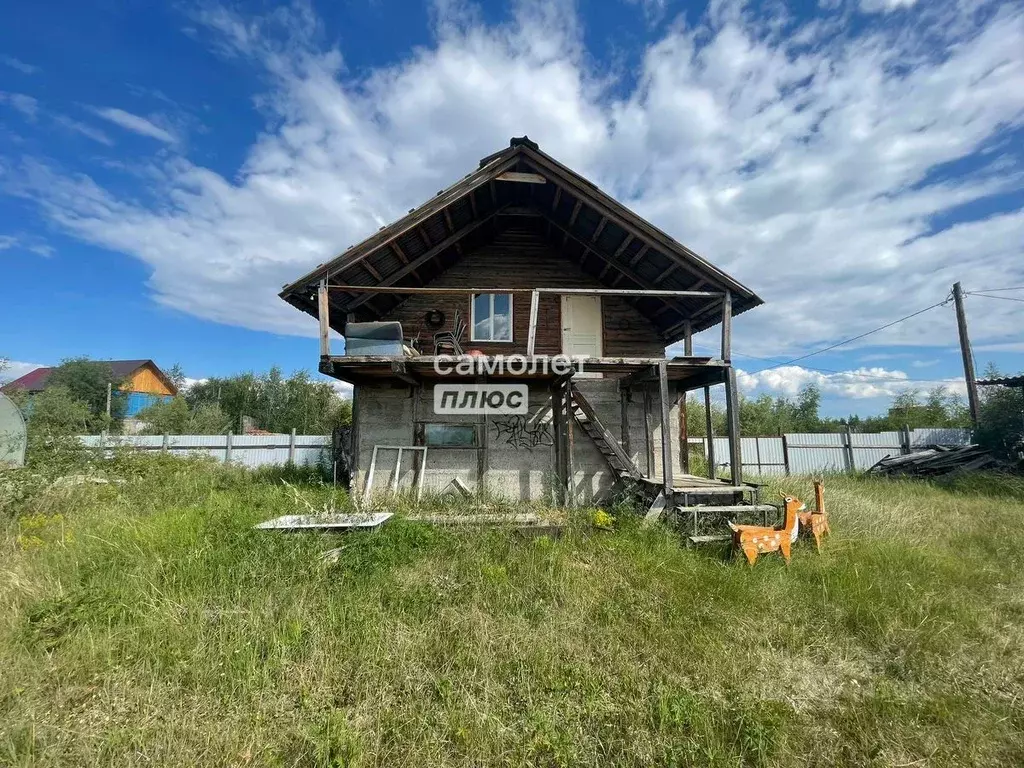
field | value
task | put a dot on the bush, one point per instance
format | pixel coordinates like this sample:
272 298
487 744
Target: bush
175 417
1001 421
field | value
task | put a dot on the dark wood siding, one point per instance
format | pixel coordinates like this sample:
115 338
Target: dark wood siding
521 258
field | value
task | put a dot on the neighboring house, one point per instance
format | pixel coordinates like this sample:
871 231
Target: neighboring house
526 257
141 380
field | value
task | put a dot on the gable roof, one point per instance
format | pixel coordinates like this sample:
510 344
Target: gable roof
613 244
37 380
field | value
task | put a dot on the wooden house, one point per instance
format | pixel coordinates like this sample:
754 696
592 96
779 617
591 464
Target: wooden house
536 263
141 382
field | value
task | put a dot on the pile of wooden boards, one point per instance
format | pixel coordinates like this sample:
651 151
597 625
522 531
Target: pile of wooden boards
939 460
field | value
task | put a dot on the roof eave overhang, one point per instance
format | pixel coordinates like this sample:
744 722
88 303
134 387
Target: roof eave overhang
744 299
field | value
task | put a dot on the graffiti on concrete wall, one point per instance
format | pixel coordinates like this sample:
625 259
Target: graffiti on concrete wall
521 432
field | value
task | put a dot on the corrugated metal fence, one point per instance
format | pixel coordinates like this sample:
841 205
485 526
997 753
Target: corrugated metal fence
796 454
247 450
809 453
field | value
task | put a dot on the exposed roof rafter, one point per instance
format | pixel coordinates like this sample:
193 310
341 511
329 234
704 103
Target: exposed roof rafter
514 178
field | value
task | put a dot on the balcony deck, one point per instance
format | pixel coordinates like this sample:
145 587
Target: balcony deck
379 369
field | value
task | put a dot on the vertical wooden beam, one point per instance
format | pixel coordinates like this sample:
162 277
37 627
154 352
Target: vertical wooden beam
557 419
727 327
624 398
291 447
570 446
732 413
324 313
353 441
648 433
534 312
785 454
666 433
684 432
709 429
688 339
483 425
418 436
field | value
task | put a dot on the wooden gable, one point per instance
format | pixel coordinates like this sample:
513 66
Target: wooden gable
520 256
521 188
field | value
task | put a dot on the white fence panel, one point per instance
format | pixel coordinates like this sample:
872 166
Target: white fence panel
932 435
812 452
870 448
248 450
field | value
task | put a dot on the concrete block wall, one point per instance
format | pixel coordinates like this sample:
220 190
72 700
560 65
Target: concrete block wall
518 451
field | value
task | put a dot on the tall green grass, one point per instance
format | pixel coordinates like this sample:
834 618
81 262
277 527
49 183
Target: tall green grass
147 623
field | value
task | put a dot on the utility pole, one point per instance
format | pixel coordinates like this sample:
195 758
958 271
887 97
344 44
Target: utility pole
965 352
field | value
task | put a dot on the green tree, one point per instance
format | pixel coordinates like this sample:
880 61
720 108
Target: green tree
177 376
55 412
274 402
176 417
87 381
936 408
1001 419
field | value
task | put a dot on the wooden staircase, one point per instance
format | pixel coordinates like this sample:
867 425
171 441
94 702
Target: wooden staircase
689 504
621 464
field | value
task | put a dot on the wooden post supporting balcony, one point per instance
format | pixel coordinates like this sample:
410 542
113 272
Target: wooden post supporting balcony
727 327
666 432
324 314
732 412
710 431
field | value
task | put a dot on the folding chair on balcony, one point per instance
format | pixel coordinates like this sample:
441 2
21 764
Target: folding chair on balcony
452 339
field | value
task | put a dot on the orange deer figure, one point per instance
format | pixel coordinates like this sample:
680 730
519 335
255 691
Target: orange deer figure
815 521
755 539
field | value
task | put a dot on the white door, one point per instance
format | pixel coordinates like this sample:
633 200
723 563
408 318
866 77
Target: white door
581 327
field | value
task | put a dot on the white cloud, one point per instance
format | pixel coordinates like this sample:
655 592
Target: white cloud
86 130
19 65
885 6
14 369
858 384
41 249
1012 346
135 124
653 10
805 164
26 105
28 242
343 388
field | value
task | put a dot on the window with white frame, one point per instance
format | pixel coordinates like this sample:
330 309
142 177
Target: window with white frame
492 317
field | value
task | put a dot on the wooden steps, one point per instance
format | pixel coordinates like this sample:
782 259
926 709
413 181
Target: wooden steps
716 538
718 510
583 412
707 490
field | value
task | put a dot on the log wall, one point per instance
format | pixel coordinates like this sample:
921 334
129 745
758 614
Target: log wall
521 258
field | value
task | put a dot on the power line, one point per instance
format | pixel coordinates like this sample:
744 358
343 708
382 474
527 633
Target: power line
855 338
986 296
872 376
997 290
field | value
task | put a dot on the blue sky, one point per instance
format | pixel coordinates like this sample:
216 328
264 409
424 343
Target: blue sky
164 168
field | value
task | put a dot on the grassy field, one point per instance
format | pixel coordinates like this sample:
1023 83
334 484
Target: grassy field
146 623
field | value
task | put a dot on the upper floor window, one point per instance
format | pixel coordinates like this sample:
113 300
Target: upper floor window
492 317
